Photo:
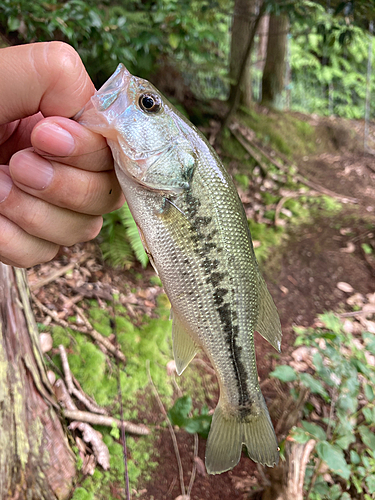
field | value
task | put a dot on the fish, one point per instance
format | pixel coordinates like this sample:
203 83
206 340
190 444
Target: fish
195 231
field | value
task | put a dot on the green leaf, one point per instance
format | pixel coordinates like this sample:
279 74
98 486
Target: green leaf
333 456
200 424
368 437
299 435
354 457
314 385
370 482
369 393
13 23
331 321
345 441
366 248
315 430
180 410
174 40
284 373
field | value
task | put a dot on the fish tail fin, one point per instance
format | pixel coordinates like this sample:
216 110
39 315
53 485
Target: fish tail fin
228 433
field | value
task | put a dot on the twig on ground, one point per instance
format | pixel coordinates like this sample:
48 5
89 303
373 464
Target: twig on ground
63 396
92 418
78 393
57 273
281 202
354 313
194 470
93 333
66 368
170 427
90 435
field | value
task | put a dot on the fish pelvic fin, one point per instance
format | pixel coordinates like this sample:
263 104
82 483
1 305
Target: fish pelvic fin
268 324
184 348
228 433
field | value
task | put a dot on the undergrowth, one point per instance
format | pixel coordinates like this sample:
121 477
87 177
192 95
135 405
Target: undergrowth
340 416
120 240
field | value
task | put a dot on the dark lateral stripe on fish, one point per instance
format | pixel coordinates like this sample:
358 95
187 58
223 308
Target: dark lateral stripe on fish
226 315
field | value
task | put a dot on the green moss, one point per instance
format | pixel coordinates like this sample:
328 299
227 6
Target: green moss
97 373
269 237
100 321
282 131
242 180
82 494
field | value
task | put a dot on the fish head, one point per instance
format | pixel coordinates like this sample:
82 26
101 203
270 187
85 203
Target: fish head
145 132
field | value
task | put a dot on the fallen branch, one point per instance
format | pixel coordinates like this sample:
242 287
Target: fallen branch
93 333
92 418
297 176
250 150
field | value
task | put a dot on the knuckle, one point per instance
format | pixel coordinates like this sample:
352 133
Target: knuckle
65 56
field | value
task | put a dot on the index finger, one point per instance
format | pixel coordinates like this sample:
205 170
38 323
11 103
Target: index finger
48 77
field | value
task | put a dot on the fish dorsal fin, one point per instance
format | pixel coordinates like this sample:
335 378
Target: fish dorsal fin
184 348
268 324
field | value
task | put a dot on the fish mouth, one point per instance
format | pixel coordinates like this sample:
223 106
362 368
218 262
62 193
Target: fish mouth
96 114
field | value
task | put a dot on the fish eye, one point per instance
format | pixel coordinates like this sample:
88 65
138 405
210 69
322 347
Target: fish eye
151 103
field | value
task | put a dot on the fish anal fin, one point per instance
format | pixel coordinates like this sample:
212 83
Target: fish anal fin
229 432
184 348
268 324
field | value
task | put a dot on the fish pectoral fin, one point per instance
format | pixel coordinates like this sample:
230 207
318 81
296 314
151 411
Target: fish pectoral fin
229 432
184 348
268 324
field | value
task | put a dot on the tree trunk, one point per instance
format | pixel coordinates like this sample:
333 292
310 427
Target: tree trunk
262 49
243 19
274 69
36 462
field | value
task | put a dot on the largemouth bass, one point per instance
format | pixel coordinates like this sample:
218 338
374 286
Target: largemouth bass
194 229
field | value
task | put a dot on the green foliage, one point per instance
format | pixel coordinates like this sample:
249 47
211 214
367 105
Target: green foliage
192 35
193 423
82 494
121 240
329 65
345 381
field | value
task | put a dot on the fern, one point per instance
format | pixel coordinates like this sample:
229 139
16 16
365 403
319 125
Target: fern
134 239
121 243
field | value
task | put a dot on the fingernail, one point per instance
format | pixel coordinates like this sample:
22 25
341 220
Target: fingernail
31 170
6 184
53 139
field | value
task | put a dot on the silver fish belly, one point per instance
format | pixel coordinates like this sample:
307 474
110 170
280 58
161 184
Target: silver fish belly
195 231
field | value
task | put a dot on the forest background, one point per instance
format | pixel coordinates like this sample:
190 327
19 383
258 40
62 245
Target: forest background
258 64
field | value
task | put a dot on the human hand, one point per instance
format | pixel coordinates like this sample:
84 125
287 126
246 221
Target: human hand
56 177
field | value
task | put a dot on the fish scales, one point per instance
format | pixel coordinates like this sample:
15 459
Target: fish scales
195 230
